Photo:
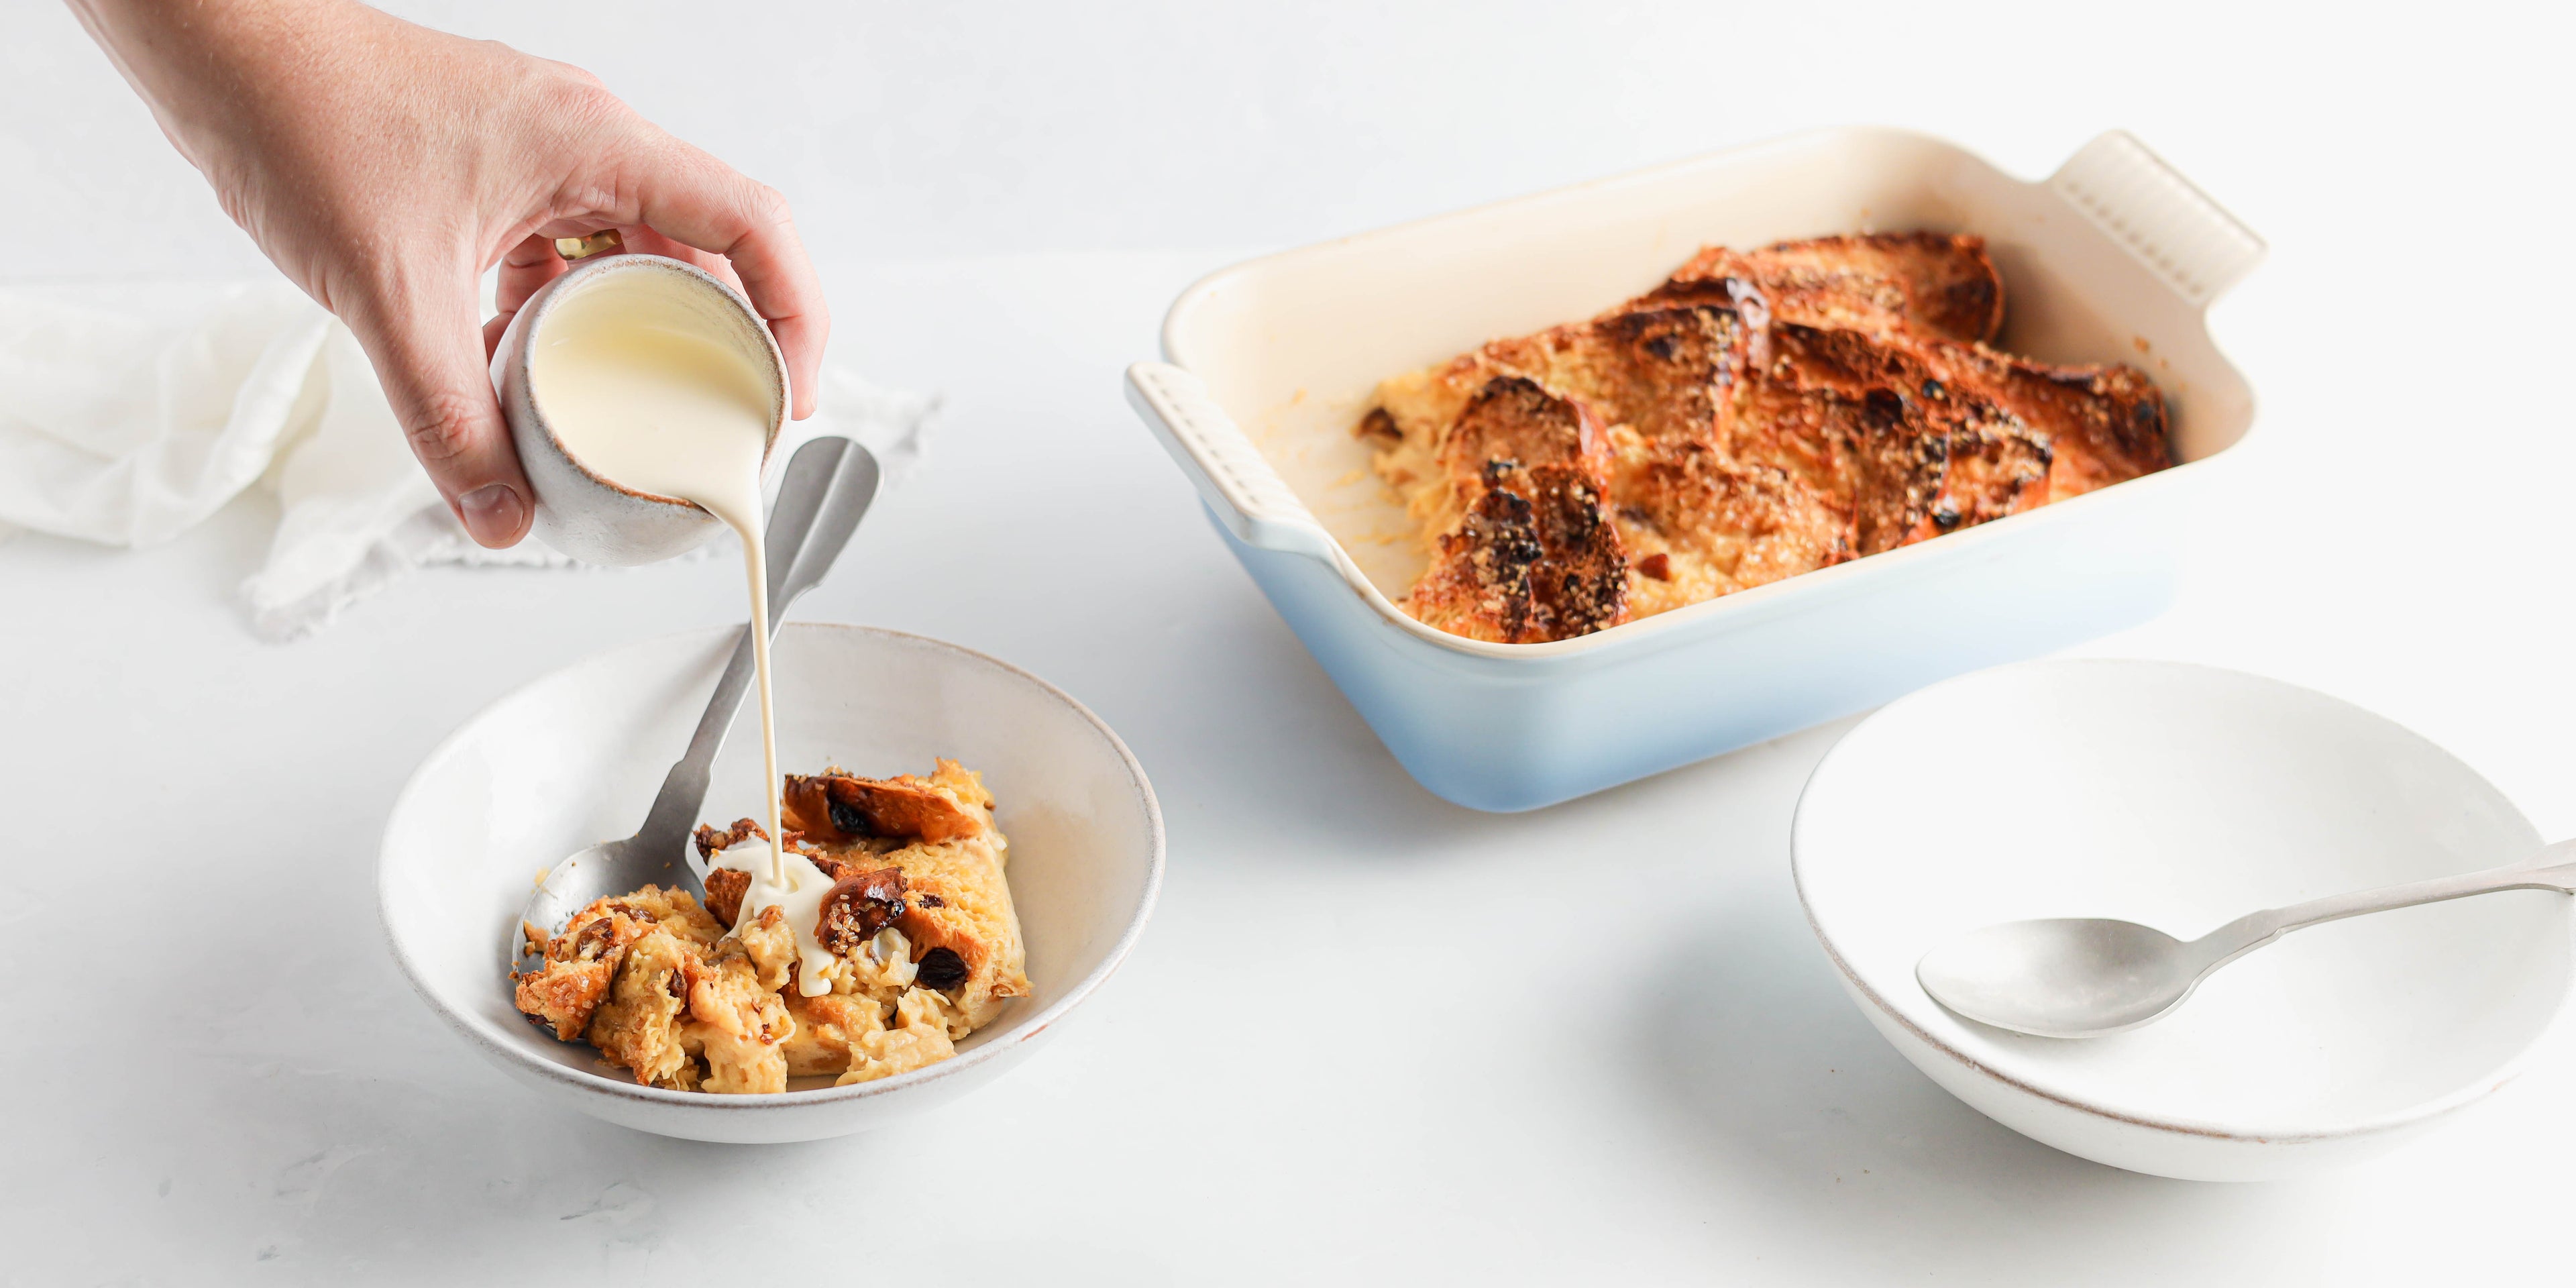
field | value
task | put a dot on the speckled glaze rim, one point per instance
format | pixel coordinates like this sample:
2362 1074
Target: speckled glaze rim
582 276
2451 1102
589 1081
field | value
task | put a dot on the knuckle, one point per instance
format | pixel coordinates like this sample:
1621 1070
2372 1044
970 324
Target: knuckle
765 205
579 103
442 428
580 75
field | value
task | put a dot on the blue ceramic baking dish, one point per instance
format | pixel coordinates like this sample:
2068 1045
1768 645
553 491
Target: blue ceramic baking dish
1268 364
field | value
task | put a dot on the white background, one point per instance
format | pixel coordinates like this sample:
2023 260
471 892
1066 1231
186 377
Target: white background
1366 1037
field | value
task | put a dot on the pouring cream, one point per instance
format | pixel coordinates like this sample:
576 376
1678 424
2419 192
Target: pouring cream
646 388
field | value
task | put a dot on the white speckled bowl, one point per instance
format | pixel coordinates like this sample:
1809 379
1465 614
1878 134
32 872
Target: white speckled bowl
575 758
580 513
2181 797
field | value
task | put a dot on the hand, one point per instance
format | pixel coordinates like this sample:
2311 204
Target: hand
384 166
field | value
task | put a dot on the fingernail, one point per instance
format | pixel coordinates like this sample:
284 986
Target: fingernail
493 514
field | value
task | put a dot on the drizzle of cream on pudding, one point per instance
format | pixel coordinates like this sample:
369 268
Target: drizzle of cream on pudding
650 384
797 889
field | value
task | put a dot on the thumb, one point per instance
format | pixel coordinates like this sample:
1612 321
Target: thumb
426 342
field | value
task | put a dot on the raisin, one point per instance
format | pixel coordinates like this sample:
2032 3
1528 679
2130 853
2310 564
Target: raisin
941 968
849 821
595 939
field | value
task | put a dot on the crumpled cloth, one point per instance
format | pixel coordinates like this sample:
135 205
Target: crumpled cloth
130 413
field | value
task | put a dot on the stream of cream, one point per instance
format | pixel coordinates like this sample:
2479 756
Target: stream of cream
647 386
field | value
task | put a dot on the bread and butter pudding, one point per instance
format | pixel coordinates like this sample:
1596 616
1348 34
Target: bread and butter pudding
893 939
1759 415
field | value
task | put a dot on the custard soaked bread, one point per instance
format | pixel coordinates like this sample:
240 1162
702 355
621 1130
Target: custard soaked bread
1760 414
938 832
924 947
1532 554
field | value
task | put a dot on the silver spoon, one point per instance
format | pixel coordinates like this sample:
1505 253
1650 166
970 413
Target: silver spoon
2083 977
826 490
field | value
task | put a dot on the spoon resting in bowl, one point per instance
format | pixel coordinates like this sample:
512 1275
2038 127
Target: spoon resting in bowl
2085 977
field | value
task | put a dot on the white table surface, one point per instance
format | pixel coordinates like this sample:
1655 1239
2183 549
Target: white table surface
1363 1039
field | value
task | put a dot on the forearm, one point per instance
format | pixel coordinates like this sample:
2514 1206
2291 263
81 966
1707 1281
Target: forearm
202 65
298 111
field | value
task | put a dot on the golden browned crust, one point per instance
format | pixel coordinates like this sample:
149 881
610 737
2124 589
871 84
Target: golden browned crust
1935 284
725 889
1759 415
834 808
1535 557
2101 424
565 996
1884 429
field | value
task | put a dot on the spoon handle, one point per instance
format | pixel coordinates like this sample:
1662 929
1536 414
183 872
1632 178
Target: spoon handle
822 491
2553 868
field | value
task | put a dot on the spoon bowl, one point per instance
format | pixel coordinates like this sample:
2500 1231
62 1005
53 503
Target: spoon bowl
2061 977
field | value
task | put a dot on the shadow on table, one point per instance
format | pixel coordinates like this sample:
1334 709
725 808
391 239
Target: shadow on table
1256 746
1254 740
1764 1069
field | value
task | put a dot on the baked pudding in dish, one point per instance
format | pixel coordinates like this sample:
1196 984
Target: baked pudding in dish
1760 414
911 924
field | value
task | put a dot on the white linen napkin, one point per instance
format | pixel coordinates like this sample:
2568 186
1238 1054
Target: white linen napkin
129 413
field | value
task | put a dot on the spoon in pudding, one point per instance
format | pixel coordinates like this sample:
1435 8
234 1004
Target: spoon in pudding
2084 977
826 490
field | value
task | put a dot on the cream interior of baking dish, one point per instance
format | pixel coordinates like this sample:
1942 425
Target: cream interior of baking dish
2114 258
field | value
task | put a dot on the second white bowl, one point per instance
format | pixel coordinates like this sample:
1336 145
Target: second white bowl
2180 797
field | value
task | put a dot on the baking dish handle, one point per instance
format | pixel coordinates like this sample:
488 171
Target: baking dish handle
1239 486
2172 227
